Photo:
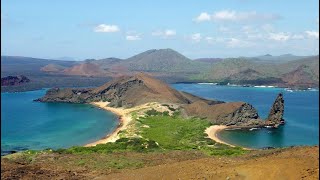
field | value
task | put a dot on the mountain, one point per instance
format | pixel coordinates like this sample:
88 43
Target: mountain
300 73
12 65
85 69
171 66
277 59
52 68
163 60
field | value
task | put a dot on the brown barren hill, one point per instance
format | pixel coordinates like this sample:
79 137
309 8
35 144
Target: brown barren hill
85 69
292 163
139 89
302 76
288 163
52 68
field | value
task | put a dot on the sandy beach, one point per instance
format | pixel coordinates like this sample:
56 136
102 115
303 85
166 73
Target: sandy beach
212 132
124 120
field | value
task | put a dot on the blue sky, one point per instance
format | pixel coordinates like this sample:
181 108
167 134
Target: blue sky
100 28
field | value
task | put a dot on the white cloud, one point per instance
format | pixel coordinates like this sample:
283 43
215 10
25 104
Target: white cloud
196 37
133 37
234 16
203 17
165 34
312 34
234 42
279 36
106 28
317 20
169 32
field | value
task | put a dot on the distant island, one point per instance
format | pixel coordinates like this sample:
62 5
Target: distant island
297 72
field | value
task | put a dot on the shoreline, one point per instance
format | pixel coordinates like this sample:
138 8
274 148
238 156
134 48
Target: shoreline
213 132
123 119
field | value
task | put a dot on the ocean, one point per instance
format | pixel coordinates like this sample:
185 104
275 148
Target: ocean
301 114
26 124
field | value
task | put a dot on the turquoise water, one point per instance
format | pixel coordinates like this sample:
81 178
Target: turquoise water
301 114
33 125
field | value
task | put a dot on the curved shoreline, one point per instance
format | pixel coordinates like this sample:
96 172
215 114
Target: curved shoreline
123 118
213 132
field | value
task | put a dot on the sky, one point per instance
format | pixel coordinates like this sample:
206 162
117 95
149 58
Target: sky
98 29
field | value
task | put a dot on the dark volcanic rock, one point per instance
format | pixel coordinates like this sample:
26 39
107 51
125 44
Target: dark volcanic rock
232 113
14 80
246 115
276 113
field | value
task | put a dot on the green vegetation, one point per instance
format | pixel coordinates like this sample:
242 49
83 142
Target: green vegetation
177 133
121 145
160 132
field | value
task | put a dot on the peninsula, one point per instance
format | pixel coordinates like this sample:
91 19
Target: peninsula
141 93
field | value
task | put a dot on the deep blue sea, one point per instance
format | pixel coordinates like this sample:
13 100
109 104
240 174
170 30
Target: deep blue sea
26 124
33 125
301 114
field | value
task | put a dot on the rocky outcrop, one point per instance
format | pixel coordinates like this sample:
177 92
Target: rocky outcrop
245 115
275 117
14 80
232 113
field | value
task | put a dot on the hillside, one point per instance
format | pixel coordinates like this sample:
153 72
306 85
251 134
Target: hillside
85 69
209 60
171 66
163 60
12 65
277 59
52 68
244 71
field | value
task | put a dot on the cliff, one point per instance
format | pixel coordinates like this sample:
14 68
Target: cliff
275 117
